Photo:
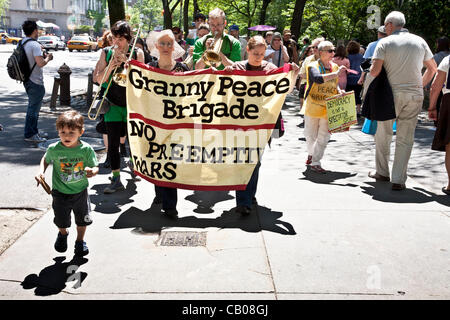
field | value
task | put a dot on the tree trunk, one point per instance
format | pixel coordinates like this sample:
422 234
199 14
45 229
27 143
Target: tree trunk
116 10
297 18
196 8
186 18
167 15
262 15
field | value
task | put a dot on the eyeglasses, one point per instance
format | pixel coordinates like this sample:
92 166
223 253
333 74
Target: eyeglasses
176 33
329 50
215 25
168 44
313 47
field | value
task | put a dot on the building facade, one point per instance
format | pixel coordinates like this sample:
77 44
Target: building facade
64 13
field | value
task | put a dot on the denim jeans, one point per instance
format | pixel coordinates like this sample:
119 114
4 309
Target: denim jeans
245 197
35 94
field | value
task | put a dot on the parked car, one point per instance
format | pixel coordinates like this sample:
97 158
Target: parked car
82 43
10 39
52 42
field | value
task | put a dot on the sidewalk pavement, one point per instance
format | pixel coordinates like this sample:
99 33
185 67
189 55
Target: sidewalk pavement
334 236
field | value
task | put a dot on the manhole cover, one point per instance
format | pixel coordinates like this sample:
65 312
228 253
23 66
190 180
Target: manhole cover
95 143
183 239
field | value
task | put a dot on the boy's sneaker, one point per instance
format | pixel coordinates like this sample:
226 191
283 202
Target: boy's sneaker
61 242
81 248
115 185
36 138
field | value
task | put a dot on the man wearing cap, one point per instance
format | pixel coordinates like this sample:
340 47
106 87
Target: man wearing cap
403 55
234 31
291 46
231 48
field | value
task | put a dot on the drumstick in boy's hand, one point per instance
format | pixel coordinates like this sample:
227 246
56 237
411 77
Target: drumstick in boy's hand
41 180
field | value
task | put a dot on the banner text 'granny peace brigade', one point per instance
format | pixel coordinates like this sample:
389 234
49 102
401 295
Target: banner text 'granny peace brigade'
201 130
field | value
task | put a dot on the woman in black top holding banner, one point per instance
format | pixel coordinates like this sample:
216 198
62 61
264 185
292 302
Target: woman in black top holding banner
256 48
163 46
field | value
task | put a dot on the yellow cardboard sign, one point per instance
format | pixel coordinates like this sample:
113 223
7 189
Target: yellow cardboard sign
341 112
201 130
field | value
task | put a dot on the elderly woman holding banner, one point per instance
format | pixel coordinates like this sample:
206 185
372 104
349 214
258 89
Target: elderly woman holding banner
256 48
163 46
322 83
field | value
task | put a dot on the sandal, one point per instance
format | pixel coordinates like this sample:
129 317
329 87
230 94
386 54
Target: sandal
319 169
446 191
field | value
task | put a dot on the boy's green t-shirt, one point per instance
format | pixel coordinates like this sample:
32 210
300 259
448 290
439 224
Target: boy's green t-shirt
68 175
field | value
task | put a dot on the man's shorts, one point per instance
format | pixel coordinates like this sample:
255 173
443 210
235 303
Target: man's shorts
63 204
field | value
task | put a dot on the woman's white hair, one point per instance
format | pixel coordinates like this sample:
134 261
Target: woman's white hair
396 17
153 38
325 44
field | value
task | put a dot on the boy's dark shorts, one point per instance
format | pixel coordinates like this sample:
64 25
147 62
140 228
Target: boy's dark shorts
63 204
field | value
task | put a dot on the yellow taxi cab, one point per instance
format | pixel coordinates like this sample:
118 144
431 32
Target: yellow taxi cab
10 39
82 43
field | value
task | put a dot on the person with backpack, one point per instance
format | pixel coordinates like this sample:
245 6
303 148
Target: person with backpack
33 80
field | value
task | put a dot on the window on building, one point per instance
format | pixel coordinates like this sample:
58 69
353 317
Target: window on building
49 4
33 4
6 22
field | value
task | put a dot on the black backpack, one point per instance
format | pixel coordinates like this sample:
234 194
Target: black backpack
18 66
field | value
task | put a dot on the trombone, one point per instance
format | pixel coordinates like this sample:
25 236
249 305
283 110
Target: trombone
211 57
120 78
99 107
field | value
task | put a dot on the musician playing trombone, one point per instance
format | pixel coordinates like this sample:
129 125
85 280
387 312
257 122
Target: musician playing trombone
116 117
227 47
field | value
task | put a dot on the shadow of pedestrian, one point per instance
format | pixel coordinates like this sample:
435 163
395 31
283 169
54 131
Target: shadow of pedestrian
111 203
52 279
205 200
153 221
328 178
381 191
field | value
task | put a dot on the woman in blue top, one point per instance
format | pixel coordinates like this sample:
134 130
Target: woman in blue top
352 79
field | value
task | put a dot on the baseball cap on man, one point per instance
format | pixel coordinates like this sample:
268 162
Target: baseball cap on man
234 27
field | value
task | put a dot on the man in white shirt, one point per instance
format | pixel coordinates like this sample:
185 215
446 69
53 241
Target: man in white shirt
34 85
234 31
403 55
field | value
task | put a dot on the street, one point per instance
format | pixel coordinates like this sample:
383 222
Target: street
81 63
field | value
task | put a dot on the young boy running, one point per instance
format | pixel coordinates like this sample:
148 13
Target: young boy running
73 162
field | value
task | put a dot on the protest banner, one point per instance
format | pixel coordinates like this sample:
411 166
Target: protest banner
341 112
201 130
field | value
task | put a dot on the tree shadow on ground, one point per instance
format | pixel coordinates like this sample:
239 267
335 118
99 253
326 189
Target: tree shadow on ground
111 203
52 279
328 178
205 200
153 221
382 191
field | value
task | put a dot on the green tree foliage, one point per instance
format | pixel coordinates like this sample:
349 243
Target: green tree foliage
336 19
4 4
97 16
151 13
